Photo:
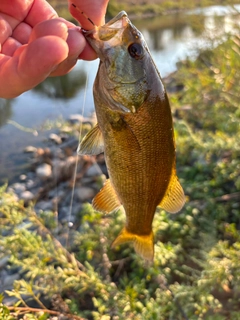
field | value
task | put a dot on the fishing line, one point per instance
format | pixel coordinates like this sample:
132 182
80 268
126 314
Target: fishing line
70 223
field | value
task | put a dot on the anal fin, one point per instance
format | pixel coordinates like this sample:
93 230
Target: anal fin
106 200
143 244
92 143
174 198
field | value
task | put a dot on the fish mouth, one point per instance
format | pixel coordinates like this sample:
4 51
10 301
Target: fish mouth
108 30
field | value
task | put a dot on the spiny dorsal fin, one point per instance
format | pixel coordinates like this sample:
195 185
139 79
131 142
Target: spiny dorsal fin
174 198
92 143
143 244
106 200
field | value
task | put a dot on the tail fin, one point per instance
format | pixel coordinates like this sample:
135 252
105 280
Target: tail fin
143 244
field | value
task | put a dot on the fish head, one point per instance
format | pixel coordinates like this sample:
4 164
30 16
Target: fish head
125 61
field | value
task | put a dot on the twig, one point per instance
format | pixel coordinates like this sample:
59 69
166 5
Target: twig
223 198
28 309
58 244
177 304
228 197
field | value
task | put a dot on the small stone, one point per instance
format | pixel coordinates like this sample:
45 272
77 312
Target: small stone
63 169
55 138
26 196
9 280
63 213
44 205
75 118
84 193
30 149
19 187
78 118
4 261
30 184
44 171
23 177
93 171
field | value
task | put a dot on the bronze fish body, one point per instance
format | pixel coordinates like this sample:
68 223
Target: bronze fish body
134 130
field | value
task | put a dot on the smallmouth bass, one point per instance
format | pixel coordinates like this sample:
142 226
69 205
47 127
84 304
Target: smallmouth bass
134 130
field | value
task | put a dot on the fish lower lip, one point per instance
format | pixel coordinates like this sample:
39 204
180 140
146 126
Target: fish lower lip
88 33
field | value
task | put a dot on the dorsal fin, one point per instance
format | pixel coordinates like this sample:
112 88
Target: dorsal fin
92 143
106 200
174 198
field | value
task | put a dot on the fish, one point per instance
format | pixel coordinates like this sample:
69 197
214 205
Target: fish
135 131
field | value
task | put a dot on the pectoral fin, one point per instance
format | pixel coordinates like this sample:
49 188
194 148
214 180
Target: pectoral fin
92 143
174 198
106 200
143 244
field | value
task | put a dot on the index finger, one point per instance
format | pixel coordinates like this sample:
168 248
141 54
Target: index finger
95 10
32 11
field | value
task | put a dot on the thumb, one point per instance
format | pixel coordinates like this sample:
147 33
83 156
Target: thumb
40 57
30 65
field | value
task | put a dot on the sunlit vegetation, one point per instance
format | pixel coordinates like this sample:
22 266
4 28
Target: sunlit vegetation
138 8
195 274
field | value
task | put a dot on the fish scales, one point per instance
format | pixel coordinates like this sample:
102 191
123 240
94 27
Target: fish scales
135 131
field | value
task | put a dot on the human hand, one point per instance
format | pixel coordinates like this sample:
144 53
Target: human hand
93 9
35 43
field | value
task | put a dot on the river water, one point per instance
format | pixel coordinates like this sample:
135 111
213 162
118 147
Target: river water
170 39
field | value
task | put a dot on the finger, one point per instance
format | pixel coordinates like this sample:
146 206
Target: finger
22 33
31 11
18 10
74 38
76 44
10 46
40 11
6 30
30 65
94 9
54 27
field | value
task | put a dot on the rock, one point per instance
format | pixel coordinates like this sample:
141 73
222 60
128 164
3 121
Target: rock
78 118
59 191
10 301
9 280
65 215
44 171
4 261
30 184
55 138
44 205
84 193
22 177
26 196
58 169
64 137
30 149
18 187
70 143
93 171
63 170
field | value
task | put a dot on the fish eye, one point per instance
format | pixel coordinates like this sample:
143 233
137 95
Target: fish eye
136 51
